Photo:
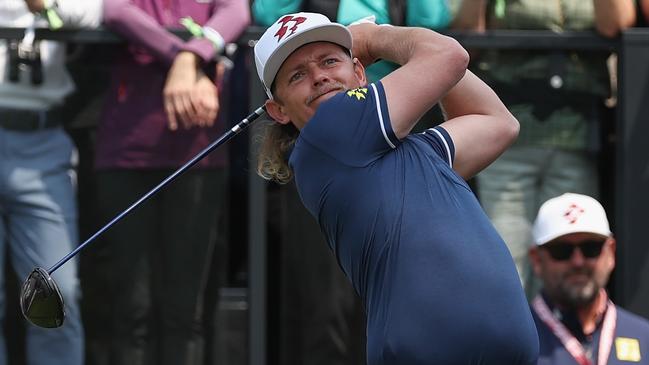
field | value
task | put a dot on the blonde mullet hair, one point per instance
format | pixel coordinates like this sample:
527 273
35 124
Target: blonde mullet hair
276 142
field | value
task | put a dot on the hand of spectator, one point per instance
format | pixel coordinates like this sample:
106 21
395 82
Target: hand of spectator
471 15
206 99
179 92
614 16
35 6
362 35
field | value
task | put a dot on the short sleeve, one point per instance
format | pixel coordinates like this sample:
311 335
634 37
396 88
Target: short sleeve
441 142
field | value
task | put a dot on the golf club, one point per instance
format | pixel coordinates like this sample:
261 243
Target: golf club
40 298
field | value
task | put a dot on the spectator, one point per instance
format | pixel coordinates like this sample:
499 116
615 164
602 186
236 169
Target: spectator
160 111
573 255
38 215
557 97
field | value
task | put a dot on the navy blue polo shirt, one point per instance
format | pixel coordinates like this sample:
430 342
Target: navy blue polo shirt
630 342
437 281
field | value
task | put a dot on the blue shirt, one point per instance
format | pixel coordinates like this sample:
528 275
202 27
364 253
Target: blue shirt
437 281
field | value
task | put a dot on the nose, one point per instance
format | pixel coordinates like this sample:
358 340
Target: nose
577 258
319 76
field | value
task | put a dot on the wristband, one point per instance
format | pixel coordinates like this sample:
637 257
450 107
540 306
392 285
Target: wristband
204 32
500 8
192 27
213 36
50 14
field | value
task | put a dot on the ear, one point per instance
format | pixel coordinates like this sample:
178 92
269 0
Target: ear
610 246
535 260
276 111
359 71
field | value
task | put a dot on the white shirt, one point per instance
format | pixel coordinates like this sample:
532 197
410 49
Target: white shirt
57 83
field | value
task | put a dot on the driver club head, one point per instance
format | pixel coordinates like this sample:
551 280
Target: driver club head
41 301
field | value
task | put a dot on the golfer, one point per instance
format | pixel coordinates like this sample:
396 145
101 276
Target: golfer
437 282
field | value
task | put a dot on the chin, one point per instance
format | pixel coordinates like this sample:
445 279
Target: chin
577 296
316 103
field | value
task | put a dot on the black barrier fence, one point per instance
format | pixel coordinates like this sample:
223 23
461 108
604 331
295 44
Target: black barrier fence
627 170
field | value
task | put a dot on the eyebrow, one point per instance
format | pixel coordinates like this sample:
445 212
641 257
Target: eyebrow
317 58
339 52
324 54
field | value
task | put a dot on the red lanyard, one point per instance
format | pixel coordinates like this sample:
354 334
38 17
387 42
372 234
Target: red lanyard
569 341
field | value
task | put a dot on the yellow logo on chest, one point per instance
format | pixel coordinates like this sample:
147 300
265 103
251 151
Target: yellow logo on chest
359 93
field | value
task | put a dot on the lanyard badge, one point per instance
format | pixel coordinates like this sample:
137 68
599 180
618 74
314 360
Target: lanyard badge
572 345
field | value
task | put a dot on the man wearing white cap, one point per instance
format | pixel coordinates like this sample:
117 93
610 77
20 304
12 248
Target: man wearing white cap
437 282
573 255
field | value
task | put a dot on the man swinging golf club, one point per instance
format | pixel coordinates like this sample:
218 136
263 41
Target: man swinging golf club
438 283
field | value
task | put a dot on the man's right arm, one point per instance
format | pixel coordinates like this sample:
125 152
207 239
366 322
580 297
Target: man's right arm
431 64
479 123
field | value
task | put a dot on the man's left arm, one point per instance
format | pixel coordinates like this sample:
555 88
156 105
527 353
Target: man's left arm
613 16
479 124
73 13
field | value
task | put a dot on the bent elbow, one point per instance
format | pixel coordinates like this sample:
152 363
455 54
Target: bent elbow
463 59
513 128
241 19
245 18
111 12
459 58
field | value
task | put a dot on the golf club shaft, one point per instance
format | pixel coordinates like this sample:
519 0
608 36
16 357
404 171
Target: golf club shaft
224 138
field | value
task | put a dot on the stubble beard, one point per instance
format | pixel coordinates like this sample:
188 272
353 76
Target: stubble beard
575 295
324 89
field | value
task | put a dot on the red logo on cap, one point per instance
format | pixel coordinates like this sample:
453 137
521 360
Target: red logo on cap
284 28
573 213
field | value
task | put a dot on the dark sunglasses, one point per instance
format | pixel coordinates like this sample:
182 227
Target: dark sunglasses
562 251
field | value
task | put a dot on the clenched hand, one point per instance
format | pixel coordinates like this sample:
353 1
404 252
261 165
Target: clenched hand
190 97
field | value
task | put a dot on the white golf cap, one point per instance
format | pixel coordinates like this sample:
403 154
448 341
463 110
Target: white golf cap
289 33
569 213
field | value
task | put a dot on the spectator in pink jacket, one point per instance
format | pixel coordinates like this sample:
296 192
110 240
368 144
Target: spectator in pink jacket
160 111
